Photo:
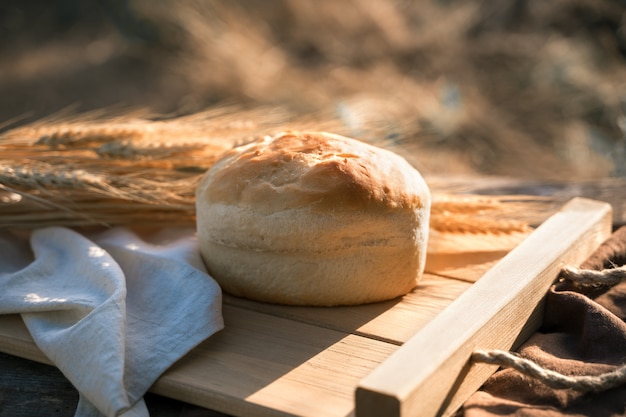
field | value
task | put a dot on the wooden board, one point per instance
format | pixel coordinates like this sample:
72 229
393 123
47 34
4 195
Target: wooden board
469 256
393 321
431 374
291 361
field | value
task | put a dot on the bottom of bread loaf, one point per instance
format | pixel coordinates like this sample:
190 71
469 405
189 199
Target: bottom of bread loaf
346 277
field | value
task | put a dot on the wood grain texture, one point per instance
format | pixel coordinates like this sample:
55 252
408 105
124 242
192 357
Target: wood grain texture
262 365
15 340
259 365
49 392
394 321
468 256
431 375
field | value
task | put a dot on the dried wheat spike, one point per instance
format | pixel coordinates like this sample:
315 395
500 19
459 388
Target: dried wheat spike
471 214
38 176
81 135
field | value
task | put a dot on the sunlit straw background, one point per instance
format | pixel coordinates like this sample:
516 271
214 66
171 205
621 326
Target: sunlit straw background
532 89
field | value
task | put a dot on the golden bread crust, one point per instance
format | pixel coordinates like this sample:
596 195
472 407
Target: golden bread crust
313 168
313 219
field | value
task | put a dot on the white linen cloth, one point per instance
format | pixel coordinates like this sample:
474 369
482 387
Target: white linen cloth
112 310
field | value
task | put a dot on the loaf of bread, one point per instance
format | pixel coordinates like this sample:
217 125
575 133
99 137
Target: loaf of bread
313 219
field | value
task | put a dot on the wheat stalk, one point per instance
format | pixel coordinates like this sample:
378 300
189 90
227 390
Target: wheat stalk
475 214
95 170
132 171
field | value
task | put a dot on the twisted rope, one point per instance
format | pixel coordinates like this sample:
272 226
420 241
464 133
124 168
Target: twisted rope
553 379
593 278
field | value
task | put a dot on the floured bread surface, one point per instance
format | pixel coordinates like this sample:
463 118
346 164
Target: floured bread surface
313 219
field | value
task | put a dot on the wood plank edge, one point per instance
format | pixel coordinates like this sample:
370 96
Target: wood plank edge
216 402
271 310
18 342
431 375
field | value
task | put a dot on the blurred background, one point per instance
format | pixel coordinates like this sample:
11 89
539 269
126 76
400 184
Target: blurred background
521 88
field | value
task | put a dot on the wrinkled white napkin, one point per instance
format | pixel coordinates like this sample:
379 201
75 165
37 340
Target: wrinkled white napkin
112 310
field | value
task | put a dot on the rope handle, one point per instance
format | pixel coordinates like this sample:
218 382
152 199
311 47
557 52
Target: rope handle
593 278
553 379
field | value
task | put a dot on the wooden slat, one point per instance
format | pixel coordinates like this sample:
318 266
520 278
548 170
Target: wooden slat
261 365
431 374
468 256
394 321
16 340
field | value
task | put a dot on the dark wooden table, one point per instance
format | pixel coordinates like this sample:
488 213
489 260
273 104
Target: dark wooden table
32 389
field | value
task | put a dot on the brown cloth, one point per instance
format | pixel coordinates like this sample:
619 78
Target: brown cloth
583 333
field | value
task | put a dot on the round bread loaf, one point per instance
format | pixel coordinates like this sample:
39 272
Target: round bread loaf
313 219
